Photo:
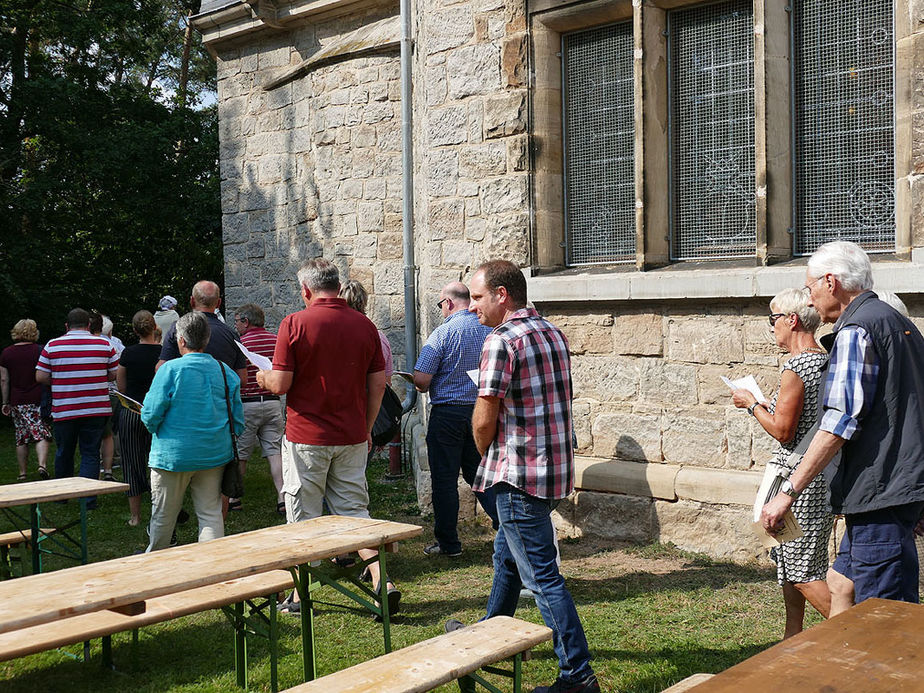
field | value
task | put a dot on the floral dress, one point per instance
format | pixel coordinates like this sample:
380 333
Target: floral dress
806 558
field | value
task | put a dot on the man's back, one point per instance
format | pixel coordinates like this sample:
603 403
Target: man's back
79 364
451 350
330 349
221 344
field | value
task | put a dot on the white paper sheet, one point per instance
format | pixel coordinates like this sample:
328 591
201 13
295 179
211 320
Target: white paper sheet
261 362
473 374
746 383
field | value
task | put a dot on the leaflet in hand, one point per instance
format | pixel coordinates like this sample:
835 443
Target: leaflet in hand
127 401
769 488
746 383
261 362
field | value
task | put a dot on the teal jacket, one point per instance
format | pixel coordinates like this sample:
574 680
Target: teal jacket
185 412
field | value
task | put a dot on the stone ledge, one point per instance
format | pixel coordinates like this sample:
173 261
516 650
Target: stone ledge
681 282
666 481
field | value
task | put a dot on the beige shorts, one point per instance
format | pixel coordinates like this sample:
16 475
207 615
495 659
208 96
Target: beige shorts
263 422
313 473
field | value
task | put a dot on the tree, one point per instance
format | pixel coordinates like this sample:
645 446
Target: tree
109 188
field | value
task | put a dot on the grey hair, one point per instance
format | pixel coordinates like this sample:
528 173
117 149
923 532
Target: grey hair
107 326
796 301
252 313
893 300
194 329
319 275
355 294
845 260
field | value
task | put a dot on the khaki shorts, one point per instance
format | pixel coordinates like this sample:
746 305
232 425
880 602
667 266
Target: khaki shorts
263 422
313 473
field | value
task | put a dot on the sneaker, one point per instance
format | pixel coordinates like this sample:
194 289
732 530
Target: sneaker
107 476
289 605
588 685
437 550
453 625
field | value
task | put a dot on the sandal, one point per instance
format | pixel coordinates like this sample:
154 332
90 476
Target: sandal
289 605
43 473
394 599
235 505
280 508
21 477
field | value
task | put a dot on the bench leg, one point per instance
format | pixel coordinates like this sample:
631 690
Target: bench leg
240 646
274 644
36 539
467 683
107 652
383 600
303 585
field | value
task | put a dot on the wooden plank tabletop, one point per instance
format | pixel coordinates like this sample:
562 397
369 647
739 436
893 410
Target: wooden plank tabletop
55 489
875 647
428 664
132 579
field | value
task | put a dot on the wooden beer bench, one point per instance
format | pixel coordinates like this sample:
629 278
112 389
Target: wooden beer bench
445 658
21 538
237 598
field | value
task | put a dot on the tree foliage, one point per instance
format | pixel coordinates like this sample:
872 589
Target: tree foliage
109 187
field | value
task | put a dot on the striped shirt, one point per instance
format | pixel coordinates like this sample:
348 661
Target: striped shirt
525 362
79 364
850 386
263 342
452 349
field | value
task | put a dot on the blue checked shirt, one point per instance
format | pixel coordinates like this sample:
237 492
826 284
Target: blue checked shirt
851 383
452 349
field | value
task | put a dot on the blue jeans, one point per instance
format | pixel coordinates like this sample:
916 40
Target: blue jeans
878 553
450 449
524 556
87 432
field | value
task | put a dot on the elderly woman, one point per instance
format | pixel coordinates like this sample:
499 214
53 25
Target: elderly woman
134 377
22 396
186 411
801 564
356 296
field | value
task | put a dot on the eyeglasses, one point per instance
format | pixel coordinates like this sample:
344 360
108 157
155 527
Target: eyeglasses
774 317
439 304
808 287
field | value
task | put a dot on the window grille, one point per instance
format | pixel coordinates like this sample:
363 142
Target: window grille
599 125
711 76
843 118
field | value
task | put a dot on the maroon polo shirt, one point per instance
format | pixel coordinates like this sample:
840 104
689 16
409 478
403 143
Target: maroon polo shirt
330 350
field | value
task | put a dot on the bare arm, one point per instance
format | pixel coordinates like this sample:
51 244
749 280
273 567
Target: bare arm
422 381
277 382
5 388
484 422
375 388
820 452
784 421
43 377
242 375
121 379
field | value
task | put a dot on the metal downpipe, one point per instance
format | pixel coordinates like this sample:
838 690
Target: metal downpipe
407 212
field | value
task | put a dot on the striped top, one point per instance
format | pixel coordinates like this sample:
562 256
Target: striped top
259 341
451 350
79 364
525 362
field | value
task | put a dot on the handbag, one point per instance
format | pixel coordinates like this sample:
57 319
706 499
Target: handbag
388 420
232 482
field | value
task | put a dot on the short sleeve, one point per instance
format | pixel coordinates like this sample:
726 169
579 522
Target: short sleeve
44 362
496 367
284 354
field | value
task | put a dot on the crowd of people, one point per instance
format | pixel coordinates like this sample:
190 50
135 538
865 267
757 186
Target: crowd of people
850 401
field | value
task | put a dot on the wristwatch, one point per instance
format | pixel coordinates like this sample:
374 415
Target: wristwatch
752 408
786 487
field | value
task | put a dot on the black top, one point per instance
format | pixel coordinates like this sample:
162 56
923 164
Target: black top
221 344
139 361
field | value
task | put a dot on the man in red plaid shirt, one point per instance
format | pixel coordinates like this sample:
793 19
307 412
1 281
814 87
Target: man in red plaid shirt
522 427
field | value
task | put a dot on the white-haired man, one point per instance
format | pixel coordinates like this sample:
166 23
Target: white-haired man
872 412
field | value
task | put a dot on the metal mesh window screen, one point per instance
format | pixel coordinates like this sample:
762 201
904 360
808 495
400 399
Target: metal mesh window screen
844 158
599 125
712 131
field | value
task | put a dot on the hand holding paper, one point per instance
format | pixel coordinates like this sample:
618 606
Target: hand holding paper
746 383
261 362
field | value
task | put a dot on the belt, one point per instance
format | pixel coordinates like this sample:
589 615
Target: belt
453 404
261 398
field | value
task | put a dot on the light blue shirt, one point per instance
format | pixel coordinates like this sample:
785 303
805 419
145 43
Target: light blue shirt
452 349
186 413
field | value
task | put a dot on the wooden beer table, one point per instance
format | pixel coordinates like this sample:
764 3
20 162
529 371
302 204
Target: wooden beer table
123 584
875 647
54 538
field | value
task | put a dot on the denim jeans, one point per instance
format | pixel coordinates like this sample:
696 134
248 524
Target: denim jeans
524 555
85 433
451 448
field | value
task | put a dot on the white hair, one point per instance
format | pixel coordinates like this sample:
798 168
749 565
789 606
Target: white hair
845 260
893 300
107 326
796 301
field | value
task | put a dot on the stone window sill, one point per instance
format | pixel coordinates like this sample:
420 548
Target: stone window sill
706 281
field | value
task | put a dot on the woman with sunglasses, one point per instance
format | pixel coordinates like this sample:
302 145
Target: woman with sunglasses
801 564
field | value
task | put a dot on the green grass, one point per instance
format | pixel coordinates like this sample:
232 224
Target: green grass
653 614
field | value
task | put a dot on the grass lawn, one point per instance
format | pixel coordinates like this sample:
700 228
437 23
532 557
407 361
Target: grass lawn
653 615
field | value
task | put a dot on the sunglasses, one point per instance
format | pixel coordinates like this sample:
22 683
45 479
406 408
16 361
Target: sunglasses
439 304
774 317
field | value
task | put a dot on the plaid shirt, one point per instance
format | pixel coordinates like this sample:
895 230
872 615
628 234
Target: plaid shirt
525 363
851 383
